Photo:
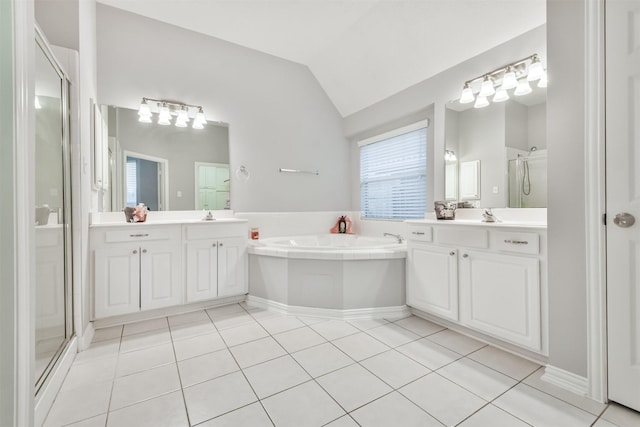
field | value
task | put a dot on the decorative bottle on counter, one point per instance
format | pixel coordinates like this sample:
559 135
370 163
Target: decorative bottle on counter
342 225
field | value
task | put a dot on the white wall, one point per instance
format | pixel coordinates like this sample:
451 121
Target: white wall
537 126
566 190
278 115
481 136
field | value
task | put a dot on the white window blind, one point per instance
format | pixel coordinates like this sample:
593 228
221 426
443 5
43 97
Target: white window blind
132 182
393 176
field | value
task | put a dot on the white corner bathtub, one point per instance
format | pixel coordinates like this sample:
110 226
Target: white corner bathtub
332 275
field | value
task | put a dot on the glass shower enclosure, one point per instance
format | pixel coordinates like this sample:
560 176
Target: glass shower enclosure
53 287
528 181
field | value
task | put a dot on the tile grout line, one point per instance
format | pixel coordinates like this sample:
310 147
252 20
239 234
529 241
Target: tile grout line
242 370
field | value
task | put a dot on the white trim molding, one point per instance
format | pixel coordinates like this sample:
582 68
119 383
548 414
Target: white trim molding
595 199
330 313
56 377
24 164
566 380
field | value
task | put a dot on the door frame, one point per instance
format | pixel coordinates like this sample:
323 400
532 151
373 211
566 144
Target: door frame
163 191
595 200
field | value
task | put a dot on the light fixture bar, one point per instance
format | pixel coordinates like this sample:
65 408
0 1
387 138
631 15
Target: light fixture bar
167 108
513 65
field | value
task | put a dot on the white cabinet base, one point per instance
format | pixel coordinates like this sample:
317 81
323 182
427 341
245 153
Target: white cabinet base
500 295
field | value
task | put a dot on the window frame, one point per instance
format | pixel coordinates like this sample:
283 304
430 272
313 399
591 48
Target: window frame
422 124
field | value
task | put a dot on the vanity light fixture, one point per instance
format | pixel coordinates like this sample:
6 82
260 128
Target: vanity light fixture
467 95
543 81
450 156
481 102
487 89
535 70
523 88
166 109
501 95
516 75
509 80
37 104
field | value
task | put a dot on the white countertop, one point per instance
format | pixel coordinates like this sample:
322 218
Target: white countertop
111 219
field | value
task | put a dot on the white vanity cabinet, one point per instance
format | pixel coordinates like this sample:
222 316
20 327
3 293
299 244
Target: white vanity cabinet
139 267
432 275
483 277
136 267
216 261
500 296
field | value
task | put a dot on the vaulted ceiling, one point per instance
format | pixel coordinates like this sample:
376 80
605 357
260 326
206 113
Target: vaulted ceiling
361 51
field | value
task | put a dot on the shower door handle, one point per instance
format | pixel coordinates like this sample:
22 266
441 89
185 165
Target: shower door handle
624 220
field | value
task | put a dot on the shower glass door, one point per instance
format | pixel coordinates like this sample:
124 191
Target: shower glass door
53 320
528 182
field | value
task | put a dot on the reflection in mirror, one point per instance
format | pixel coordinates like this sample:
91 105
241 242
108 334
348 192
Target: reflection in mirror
161 166
509 140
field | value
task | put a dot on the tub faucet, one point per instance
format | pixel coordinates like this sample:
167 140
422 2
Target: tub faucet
397 236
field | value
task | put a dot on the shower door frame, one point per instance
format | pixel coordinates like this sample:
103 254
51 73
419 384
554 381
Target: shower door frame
42 381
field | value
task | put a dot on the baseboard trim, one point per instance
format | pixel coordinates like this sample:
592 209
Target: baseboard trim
84 341
330 313
566 380
46 396
166 311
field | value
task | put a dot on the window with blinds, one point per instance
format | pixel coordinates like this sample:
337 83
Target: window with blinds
393 169
132 181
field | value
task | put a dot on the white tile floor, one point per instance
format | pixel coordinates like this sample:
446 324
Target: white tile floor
237 366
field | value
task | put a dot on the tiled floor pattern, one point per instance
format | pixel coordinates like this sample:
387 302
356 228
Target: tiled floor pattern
239 366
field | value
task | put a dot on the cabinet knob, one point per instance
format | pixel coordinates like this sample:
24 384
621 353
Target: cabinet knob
214 245
465 256
452 253
144 251
220 244
135 251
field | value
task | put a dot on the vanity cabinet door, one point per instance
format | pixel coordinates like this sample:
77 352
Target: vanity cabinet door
500 296
202 270
160 275
117 279
232 266
433 279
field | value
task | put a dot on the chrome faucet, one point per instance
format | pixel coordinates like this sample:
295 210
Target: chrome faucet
397 236
488 216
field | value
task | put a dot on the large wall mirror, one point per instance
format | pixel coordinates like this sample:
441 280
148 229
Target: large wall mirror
165 167
507 143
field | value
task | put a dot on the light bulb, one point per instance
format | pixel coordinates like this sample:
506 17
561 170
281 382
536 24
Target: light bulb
144 109
501 95
543 81
164 118
144 119
509 80
183 118
467 95
200 118
535 70
487 89
481 102
523 88
197 125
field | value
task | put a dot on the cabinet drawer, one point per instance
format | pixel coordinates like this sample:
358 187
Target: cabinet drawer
519 242
462 236
135 234
213 230
420 233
